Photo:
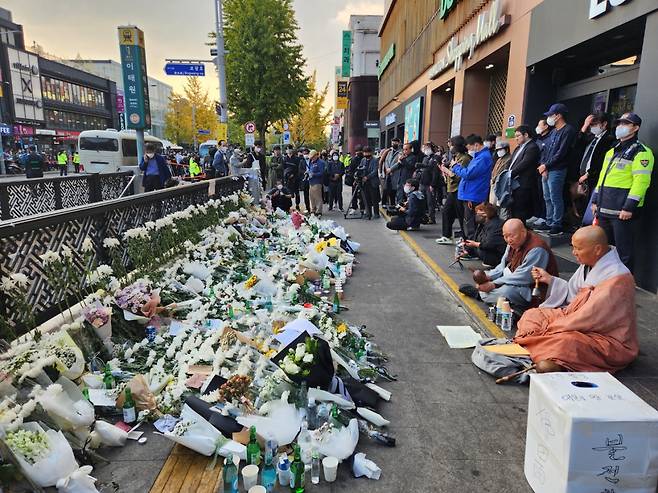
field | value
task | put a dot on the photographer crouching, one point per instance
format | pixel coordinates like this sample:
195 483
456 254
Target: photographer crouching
412 211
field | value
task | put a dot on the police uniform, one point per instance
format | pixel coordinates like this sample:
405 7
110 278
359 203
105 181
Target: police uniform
622 186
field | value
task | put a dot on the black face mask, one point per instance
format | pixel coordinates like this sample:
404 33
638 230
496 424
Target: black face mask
367 156
395 146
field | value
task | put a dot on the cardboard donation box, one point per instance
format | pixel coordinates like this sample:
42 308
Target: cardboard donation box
588 433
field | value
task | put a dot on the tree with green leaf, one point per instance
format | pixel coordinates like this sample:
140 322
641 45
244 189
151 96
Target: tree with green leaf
178 119
264 63
308 127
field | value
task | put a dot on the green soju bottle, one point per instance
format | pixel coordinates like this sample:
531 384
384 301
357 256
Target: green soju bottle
108 379
336 306
231 314
129 409
253 449
230 474
297 473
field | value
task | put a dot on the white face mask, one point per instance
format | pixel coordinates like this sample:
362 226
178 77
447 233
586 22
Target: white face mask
623 131
280 187
596 130
471 153
501 152
551 120
335 158
258 149
150 155
407 189
488 144
427 152
538 130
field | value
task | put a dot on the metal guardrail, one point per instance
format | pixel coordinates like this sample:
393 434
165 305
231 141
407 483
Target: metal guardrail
23 240
21 198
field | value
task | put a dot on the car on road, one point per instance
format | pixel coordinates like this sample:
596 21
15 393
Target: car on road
110 151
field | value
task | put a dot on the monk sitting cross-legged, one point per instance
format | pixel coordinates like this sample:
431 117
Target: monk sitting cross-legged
588 323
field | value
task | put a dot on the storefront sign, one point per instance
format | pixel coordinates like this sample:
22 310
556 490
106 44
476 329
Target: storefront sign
67 134
489 24
335 134
412 114
386 61
347 54
372 124
23 130
390 119
45 131
600 7
446 7
133 62
5 129
121 105
25 85
342 92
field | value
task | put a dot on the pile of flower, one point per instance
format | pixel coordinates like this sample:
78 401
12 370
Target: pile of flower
213 292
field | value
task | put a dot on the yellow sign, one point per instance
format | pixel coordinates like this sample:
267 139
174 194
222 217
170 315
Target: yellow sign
342 94
131 36
341 103
222 132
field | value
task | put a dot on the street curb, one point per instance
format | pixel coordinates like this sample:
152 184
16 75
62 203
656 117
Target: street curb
470 306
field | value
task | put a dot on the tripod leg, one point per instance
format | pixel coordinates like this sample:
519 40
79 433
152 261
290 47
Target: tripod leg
355 191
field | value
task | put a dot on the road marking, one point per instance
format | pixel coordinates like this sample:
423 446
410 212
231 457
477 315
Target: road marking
471 304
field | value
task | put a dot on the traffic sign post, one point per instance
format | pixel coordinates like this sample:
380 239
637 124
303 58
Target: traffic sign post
249 140
250 127
186 69
286 137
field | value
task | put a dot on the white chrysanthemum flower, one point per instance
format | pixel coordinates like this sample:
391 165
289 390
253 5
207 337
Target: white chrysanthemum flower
111 243
49 257
87 245
21 280
67 252
7 285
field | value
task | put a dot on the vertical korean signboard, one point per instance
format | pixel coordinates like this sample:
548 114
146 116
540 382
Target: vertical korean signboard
347 53
135 79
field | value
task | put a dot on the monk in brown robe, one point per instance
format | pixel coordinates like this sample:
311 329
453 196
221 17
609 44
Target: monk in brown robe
589 322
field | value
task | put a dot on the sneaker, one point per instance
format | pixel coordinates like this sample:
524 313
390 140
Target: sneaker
532 221
541 227
470 291
556 232
444 241
413 228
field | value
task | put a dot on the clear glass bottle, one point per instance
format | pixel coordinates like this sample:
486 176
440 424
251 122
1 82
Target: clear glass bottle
305 443
315 466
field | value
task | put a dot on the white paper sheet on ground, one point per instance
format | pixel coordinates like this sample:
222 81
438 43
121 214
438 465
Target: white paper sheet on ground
324 396
282 424
291 331
340 443
459 336
176 327
101 397
130 317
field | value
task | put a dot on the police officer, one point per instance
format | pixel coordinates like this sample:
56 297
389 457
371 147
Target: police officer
63 162
76 161
625 177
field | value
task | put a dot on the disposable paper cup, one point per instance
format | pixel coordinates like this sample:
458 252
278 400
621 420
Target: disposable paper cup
257 489
250 476
330 466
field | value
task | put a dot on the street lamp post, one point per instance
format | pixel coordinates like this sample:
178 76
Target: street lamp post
221 63
194 130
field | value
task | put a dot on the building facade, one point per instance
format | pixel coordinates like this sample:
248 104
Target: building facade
362 112
454 71
159 92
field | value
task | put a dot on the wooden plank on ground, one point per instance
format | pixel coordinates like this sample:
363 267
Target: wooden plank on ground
185 471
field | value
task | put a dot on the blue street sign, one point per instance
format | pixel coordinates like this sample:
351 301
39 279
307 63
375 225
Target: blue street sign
286 137
203 132
191 69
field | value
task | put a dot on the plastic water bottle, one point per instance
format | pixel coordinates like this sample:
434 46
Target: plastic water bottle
506 317
305 443
315 467
283 470
312 414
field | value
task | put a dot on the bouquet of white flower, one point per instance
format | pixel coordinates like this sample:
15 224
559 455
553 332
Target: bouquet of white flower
197 434
44 456
66 405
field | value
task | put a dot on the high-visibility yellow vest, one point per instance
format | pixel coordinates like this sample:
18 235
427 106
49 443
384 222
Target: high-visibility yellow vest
76 158
624 179
62 159
195 169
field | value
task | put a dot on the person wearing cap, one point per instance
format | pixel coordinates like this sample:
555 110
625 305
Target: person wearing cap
554 167
370 183
503 158
619 194
316 172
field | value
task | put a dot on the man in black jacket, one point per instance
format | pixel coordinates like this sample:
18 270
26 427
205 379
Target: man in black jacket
596 139
370 183
406 164
523 166
335 171
412 211
429 168
489 244
291 173
257 154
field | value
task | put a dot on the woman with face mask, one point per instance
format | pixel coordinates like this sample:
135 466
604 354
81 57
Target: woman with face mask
335 171
453 208
503 158
155 169
425 171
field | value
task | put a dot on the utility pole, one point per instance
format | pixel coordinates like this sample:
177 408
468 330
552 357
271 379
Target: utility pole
194 130
221 62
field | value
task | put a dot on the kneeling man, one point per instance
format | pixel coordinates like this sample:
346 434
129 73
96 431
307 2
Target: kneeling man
588 323
512 278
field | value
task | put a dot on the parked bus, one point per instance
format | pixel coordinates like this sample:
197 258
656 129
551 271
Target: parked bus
109 151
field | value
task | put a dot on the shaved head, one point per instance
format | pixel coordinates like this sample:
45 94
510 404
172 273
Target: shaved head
589 244
514 232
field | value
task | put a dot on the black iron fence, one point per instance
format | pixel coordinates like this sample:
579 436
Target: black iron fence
21 198
23 240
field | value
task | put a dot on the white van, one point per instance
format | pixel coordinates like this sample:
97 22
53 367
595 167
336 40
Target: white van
109 151
204 149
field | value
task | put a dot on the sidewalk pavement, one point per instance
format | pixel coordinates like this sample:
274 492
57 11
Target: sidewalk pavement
641 376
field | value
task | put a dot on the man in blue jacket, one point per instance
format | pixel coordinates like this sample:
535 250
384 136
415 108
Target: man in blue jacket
474 184
155 169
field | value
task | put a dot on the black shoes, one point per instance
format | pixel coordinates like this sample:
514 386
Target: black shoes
470 291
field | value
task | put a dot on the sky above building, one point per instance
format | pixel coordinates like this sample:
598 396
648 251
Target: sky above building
175 29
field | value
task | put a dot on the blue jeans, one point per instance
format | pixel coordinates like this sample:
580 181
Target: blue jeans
553 187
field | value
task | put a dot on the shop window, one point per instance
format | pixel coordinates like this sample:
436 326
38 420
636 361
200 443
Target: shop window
622 100
497 91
